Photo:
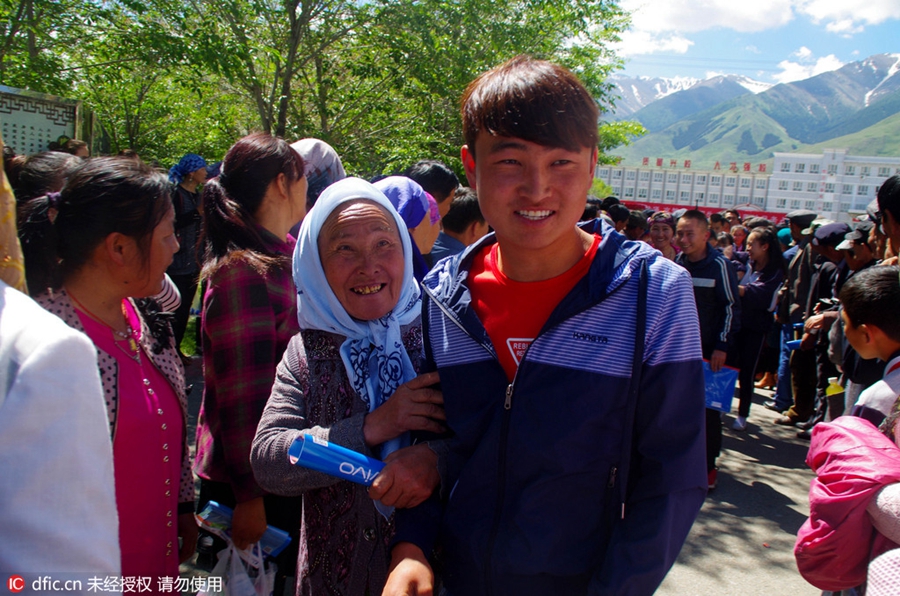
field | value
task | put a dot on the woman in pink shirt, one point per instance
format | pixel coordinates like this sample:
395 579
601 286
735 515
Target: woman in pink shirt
99 249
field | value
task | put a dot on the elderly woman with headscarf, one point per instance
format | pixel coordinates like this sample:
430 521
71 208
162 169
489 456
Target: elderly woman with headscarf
186 176
323 167
419 212
350 377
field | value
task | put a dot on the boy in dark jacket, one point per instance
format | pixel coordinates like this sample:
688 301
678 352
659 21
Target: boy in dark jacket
576 463
718 305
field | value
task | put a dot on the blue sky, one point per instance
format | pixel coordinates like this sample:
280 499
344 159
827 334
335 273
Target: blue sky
774 41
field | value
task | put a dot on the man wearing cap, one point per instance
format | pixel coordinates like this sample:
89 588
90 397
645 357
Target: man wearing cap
791 303
810 366
858 373
857 252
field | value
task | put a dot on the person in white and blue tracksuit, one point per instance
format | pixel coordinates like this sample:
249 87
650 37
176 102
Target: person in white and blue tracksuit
575 466
718 306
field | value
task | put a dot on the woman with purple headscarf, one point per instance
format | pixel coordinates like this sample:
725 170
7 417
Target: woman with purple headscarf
420 213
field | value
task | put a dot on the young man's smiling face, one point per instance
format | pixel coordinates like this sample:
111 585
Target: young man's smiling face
531 194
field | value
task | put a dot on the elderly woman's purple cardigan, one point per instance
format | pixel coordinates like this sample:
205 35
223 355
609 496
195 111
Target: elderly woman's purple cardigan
343 539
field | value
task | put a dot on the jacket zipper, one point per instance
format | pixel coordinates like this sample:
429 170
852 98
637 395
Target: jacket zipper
504 428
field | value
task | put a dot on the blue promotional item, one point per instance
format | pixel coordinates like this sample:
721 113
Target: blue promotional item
320 455
719 387
216 519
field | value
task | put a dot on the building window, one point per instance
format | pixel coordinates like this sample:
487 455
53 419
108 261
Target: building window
849 170
701 179
617 174
847 189
811 187
845 207
744 199
883 172
699 196
604 173
813 168
795 204
629 192
832 169
657 177
729 181
862 189
798 186
809 205
670 196
686 178
728 200
760 183
786 167
864 171
745 183
645 176
642 193
782 185
780 203
630 174
800 168
656 193
685 196
829 187
713 198
672 178
826 206
715 180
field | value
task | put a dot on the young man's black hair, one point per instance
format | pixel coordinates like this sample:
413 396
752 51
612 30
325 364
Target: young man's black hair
871 296
435 177
464 211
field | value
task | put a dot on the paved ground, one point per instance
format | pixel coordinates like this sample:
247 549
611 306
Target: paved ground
742 542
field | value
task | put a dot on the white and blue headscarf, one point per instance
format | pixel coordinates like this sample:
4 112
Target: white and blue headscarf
373 353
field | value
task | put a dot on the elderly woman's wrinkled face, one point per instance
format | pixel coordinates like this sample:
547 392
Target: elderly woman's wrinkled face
362 256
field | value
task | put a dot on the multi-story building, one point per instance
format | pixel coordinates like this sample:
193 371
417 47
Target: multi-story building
836 185
668 188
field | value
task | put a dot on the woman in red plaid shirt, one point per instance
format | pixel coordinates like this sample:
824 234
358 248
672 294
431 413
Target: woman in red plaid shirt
249 315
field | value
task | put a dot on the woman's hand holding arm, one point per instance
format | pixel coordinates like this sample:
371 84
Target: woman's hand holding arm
414 406
410 476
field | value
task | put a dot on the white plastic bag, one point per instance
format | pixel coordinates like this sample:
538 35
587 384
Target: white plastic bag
246 572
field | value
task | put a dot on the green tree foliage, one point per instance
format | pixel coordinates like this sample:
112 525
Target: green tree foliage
379 80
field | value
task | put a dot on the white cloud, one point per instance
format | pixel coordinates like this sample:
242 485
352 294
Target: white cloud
797 71
666 26
752 49
849 15
845 28
689 16
804 53
637 43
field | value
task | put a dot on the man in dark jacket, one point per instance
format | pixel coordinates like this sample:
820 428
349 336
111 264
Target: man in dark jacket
570 366
718 306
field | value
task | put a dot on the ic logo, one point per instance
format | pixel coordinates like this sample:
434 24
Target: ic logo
15 583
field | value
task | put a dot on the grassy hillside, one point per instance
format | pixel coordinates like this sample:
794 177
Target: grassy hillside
879 140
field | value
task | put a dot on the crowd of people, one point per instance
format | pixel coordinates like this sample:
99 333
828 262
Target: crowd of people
441 328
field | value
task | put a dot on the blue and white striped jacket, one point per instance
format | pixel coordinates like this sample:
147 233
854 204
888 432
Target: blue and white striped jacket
535 506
